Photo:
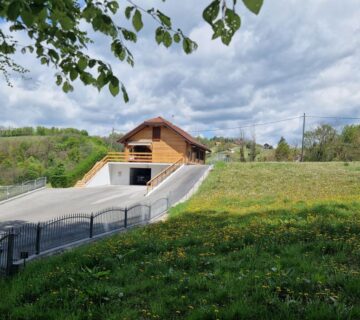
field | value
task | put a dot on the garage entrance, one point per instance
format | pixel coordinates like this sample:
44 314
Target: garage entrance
139 176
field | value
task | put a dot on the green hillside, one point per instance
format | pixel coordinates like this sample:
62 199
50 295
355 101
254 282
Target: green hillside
62 155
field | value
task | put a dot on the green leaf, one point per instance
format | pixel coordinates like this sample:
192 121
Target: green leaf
86 78
232 20
125 94
58 80
13 10
92 63
177 38
66 23
164 19
137 21
27 17
43 60
67 87
82 63
227 36
254 5
167 39
73 74
187 46
128 11
114 86
53 54
159 35
212 11
218 28
129 35
102 80
113 6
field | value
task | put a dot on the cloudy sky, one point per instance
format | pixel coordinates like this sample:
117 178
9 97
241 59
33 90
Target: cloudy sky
295 57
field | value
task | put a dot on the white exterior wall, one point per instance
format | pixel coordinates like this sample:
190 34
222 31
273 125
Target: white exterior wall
115 173
102 178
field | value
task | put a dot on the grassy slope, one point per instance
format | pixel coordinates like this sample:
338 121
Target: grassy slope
259 241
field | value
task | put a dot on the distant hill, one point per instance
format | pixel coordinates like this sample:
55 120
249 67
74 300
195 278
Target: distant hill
62 155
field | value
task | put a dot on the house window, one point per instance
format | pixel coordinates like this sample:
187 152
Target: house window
156 133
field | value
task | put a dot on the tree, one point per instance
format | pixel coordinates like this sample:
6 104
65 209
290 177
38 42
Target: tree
282 152
253 152
58 37
321 143
242 144
350 143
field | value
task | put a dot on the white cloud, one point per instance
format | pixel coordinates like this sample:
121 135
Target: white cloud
295 57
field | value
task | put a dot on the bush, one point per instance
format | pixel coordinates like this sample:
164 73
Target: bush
84 166
59 181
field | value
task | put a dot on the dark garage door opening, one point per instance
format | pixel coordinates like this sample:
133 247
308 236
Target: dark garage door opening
139 176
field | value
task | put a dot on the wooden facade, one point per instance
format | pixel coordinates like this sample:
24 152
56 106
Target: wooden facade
166 142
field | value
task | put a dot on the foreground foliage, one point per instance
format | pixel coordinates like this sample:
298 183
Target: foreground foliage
60 32
289 248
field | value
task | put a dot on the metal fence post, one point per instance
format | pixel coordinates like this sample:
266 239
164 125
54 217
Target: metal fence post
10 252
38 238
126 217
91 225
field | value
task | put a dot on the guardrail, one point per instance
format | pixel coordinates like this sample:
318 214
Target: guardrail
8 192
163 175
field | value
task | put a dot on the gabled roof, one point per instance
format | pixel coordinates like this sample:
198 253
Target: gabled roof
161 121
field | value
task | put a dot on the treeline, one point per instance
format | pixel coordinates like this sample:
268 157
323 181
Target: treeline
39 131
324 143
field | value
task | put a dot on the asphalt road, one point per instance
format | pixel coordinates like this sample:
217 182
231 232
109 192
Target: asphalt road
48 204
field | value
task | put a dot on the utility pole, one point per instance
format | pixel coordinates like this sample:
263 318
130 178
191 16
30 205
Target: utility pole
303 139
112 138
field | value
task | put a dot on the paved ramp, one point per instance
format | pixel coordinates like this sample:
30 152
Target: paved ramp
48 204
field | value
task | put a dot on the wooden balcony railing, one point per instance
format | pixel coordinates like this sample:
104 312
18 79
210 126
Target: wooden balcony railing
114 157
164 174
129 157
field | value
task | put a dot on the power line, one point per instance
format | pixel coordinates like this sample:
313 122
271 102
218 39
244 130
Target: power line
340 118
261 124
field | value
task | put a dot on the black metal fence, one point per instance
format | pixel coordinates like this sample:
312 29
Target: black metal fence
31 239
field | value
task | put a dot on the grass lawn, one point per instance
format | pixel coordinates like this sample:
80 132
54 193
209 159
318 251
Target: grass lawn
258 241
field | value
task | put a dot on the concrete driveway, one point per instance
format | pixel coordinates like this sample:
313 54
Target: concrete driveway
48 204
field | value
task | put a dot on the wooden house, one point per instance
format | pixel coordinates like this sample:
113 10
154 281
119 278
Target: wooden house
163 142
153 150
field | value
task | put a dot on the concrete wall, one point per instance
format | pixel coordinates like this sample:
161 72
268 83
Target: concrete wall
119 173
102 178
